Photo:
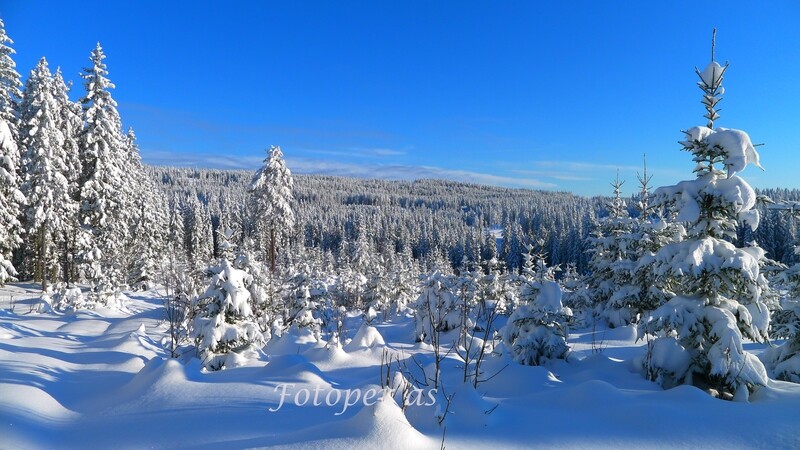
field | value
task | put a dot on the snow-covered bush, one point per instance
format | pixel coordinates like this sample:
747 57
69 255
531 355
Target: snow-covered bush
108 293
65 298
437 309
265 292
301 306
224 328
301 311
783 361
537 329
403 285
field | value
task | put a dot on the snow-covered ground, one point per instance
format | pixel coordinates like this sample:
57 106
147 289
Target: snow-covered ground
102 379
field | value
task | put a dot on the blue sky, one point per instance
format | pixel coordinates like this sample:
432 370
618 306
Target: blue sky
552 95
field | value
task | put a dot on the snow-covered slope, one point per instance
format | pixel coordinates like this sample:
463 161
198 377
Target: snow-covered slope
101 379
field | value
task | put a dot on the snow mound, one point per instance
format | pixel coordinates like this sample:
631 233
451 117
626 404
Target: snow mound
138 344
20 398
293 369
367 337
155 376
670 356
385 424
330 355
295 340
382 425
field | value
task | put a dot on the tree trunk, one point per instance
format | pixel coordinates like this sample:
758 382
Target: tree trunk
65 262
42 257
272 250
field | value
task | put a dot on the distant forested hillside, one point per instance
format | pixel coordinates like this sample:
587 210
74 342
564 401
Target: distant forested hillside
435 218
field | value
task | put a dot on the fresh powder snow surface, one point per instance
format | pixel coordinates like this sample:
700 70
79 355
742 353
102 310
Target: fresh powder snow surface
103 379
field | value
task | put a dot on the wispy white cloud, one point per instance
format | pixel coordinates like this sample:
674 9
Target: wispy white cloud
218 161
361 152
562 176
409 172
586 171
384 152
572 166
327 167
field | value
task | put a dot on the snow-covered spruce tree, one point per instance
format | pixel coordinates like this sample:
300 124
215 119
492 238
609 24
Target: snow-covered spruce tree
70 122
199 242
103 175
226 238
49 204
224 328
351 285
651 232
783 361
437 308
9 86
612 264
512 246
176 235
10 199
402 283
378 290
717 286
272 198
265 290
621 307
537 329
300 306
495 290
147 221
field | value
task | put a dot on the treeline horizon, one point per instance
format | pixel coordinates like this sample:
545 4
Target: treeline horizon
443 219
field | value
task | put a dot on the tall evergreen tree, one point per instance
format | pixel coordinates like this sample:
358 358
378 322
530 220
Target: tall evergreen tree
717 286
176 235
612 264
650 233
45 185
102 179
9 85
271 194
147 219
10 198
70 122
197 232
